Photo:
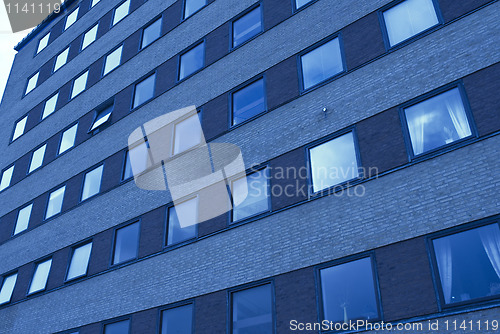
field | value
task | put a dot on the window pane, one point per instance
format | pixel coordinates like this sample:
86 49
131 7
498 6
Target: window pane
300 3
55 202
94 2
7 288
44 41
469 264
37 158
79 261
50 106
68 139
71 18
182 220
409 18
79 84
20 126
321 63
61 59
23 219
437 121
126 243
191 6
137 161
6 178
151 33
192 61
250 195
102 117
252 311
121 327
121 11
40 276
90 36
187 134
144 90
348 292
32 83
248 102
112 60
334 162
92 183
177 320
247 26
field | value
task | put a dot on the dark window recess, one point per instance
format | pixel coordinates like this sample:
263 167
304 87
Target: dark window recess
177 320
120 327
144 91
247 26
248 102
126 243
192 61
102 118
252 310
151 33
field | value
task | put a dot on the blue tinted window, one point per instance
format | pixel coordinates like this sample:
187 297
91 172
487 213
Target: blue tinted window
192 6
177 320
321 63
348 292
247 26
248 102
121 327
144 90
469 264
192 61
151 33
250 195
126 243
252 311
182 220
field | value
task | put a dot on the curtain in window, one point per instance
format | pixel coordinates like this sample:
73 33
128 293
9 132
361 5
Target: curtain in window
457 114
442 248
490 237
416 126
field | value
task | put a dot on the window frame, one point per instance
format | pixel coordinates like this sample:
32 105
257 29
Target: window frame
174 131
344 260
82 188
431 253
2 280
140 80
248 286
185 51
67 16
411 39
37 74
266 166
77 123
176 305
80 48
37 51
166 224
183 15
28 172
33 272
111 23
105 57
241 87
45 103
447 147
13 166
54 69
13 234
70 258
340 186
124 163
99 109
116 320
113 247
45 218
149 24
78 76
12 139
241 15
294 5
339 35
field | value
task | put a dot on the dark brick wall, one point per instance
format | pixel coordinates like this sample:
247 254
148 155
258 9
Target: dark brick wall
210 313
34 116
21 168
131 46
152 232
167 72
452 9
217 44
288 179
104 24
212 225
60 261
172 16
38 210
215 116
275 12
295 298
64 94
144 322
282 82
362 41
101 250
95 71
7 224
381 141
91 329
74 48
405 280
122 103
56 30
72 192
23 281
483 89
46 71
111 176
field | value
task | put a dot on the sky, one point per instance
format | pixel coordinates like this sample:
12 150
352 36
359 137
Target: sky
7 42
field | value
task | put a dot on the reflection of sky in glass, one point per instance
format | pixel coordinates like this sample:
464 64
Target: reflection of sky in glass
252 310
61 59
6 177
349 291
92 183
79 261
68 139
187 134
250 195
50 106
23 219
40 277
121 327
334 162
300 3
191 6
321 63
151 33
112 60
79 84
127 240
7 288
90 36
55 202
192 61
248 102
177 320
144 90
37 158
247 26
137 160
121 11
184 229
19 130
102 117
408 19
